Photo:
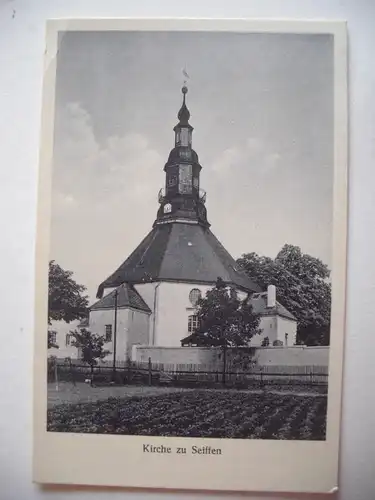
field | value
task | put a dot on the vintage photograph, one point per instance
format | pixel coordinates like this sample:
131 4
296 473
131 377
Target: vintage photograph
191 233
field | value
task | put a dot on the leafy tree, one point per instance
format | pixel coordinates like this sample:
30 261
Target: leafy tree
224 319
303 287
90 346
66 301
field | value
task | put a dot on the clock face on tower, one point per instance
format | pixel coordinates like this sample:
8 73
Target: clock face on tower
167 208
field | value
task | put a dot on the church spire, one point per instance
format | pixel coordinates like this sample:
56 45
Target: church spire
183 130
184 113
182 200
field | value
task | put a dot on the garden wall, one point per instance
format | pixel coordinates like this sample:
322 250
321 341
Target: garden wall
263 356
176 355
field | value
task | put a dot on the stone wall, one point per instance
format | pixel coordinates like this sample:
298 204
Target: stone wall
263 356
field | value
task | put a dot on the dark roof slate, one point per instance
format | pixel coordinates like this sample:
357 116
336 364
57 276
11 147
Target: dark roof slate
127 297
259 303
180 252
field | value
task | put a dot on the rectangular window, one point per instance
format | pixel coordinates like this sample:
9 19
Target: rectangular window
52 337
193 323
185 179
68 339
184 137
108 333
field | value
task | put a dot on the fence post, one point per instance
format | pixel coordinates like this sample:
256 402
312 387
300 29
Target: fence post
56 376
149 372
72 372
224 362
129 370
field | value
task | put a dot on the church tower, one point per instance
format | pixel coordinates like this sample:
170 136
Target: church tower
182 199
178 261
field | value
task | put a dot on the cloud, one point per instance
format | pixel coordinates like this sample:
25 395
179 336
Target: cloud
104 196
252 154
109 173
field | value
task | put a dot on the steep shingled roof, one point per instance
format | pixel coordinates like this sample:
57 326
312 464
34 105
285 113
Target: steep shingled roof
259 303
180 252
127 297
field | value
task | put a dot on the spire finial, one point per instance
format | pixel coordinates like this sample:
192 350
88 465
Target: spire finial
184 91
183 114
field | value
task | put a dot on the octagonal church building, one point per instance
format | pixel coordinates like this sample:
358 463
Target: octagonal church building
151 298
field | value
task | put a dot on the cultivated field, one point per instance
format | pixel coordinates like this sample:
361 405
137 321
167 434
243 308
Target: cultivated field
198 413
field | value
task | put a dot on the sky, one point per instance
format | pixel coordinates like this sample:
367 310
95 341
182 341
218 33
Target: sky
262 110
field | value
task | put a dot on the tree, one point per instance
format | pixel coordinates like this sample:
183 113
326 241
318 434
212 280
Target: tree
90 346
303 287
66 301
224 319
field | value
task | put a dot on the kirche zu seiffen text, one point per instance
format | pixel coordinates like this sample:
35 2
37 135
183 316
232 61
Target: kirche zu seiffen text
193 450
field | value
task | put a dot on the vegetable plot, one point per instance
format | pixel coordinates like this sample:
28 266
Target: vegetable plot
216 414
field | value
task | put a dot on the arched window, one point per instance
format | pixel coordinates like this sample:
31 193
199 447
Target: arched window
193 323
194 296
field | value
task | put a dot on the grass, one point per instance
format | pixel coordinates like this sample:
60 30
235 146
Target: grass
197 413
84 393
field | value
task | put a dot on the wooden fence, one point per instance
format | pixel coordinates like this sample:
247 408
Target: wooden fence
189 374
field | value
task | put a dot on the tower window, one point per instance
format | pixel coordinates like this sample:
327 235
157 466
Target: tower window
193 323
108 333
186 155
185 179
194 296
184 137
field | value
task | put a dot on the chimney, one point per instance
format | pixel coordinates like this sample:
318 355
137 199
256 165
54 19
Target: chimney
271 296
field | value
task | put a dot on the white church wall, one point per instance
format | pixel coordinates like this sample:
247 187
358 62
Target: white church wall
150 294
138 324
287 327
97 324
173 311
268 325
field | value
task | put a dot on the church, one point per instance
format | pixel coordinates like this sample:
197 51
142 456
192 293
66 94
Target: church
150 300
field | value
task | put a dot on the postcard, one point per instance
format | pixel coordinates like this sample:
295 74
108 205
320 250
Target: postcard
191 255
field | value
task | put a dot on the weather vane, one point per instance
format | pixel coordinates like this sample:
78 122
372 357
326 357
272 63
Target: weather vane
186 76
